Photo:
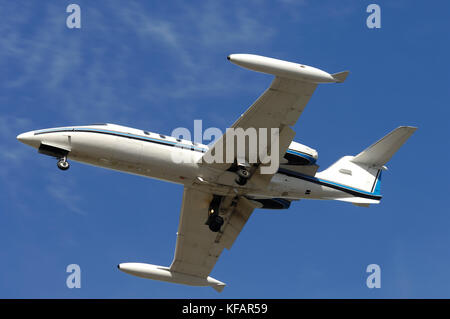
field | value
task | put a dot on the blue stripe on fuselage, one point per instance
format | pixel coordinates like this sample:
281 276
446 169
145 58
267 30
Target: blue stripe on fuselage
140 137
345 188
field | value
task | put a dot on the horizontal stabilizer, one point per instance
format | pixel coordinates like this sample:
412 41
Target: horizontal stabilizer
358 201
379 153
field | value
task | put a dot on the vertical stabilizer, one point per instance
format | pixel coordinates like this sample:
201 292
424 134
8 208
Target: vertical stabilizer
362 173
379 153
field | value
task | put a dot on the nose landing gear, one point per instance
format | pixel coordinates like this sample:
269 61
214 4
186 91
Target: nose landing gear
63 164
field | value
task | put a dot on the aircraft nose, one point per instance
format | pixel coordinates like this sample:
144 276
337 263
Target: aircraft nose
23 137
27 138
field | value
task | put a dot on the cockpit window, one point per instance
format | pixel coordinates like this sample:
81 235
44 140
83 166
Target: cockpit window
162 136
146 133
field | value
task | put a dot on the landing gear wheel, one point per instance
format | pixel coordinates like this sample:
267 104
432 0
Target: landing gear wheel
240 181
243 175
215 223
243 172
63 164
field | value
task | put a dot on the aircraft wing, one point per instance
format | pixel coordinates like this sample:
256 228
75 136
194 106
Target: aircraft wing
279 107
198 248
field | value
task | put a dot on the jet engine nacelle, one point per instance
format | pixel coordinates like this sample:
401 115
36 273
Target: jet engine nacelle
271 203
299 154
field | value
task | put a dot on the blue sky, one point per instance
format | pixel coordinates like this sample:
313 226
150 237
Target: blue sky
158 66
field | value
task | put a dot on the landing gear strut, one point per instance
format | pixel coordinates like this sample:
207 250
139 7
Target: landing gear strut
214 221
63 164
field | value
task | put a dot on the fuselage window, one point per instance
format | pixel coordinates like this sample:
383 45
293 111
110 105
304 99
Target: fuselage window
162 136
146 133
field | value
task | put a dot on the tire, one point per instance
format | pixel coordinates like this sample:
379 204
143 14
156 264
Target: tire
216 223
219 220
214 227
240 181
63 165
243 173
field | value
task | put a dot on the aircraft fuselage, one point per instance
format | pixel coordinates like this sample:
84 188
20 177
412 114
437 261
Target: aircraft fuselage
152 155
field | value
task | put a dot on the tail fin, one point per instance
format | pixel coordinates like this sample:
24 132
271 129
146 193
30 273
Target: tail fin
340 76
360 175
381 152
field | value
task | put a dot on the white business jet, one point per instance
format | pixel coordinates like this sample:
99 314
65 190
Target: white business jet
219 197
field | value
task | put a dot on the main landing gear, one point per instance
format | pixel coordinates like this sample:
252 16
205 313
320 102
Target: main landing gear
243 175
63 164
214 221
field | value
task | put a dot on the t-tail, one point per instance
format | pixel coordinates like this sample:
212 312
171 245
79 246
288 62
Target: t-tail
360 175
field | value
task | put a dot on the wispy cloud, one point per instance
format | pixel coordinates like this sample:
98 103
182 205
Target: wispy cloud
192 37
13 157
64 192
95 74
88 75
12 153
